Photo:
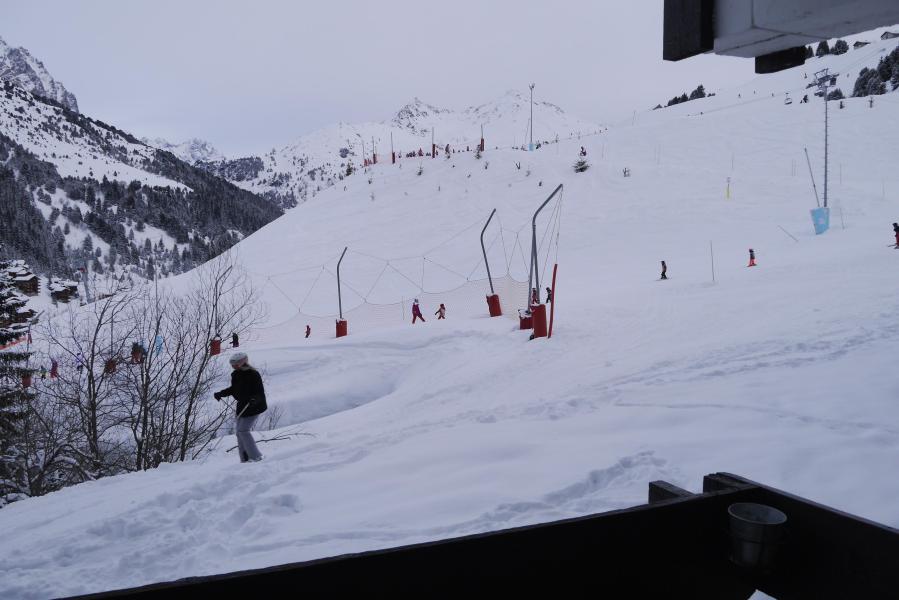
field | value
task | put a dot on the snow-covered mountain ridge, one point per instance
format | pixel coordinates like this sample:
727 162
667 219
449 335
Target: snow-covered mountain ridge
111 204
18 66
319 160
190 151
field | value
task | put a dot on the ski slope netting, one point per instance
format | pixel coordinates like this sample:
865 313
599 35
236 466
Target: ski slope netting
465 301
378 292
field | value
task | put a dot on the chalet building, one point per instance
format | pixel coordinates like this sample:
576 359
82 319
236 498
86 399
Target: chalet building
22 278
62 290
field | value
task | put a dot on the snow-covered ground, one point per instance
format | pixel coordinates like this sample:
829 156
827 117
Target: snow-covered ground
784 373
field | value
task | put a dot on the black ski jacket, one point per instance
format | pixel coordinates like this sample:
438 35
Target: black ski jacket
246 387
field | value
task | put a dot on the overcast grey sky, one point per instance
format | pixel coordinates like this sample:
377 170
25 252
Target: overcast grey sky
252 75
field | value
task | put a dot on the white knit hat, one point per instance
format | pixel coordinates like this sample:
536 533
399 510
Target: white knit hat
238 359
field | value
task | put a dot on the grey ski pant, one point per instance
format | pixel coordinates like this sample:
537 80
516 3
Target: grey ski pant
246 445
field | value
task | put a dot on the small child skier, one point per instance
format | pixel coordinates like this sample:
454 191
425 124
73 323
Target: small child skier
549 295
664 271
416 312
751 258
896 231
441 312
308 331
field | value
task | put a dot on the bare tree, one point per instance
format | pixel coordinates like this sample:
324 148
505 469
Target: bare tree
50 446
89 344
134 379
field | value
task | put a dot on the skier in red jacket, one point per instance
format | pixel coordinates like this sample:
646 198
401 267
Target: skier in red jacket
416 312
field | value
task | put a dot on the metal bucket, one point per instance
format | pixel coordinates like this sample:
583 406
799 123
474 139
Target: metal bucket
756 532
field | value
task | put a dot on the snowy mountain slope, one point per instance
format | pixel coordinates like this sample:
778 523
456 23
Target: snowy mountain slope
318 160
190 151
798 81
76 145
18 66
93 182
783 373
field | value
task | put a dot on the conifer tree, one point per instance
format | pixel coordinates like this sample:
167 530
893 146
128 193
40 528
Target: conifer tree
13 396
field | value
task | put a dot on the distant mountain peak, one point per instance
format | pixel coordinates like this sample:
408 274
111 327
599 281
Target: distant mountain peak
18 66
410 115
191 151
511 101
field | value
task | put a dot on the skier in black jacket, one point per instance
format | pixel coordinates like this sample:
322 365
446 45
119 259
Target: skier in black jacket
896 231
249 393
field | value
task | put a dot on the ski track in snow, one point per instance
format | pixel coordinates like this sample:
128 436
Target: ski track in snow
172 530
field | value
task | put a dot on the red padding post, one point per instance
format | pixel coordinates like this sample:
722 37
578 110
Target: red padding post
341 328
539 313
525 322
393 158
493 304
552 308
215 347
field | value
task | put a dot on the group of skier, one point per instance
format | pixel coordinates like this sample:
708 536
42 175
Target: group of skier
416 312
752 263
